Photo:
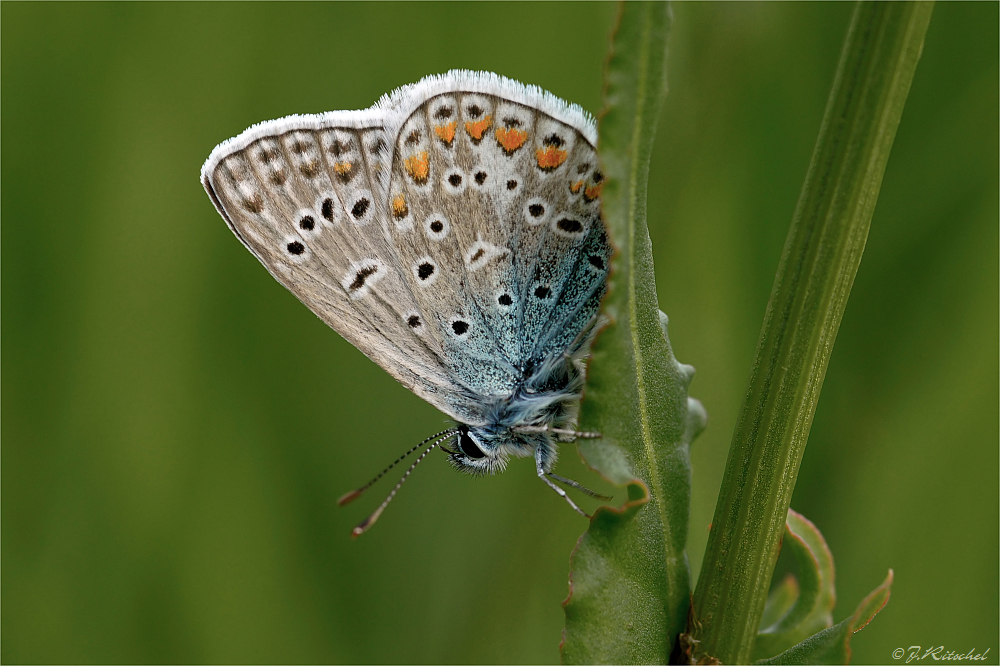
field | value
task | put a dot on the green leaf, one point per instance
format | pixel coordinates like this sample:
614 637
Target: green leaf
815 274
815 597
782 597
629 576
833 645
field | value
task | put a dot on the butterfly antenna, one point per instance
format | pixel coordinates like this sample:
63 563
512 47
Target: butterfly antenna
355 494
579 486
363 526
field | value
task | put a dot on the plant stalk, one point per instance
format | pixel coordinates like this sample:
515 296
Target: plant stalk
817 268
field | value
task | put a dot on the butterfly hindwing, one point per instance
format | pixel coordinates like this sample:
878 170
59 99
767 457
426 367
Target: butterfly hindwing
454 247
505 185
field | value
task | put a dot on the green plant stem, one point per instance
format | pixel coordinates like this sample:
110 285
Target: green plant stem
817 268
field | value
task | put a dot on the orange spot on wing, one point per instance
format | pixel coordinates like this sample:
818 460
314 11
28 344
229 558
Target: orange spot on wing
342 168
575 187
446 132
478 127
592 192
550 157
418 166
399 207
511 138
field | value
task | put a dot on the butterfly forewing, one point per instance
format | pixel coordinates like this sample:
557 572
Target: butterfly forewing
322 235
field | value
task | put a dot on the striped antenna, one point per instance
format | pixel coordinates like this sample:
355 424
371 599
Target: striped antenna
363 526
355 494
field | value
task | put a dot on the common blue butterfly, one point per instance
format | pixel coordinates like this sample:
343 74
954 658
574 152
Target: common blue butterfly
452 232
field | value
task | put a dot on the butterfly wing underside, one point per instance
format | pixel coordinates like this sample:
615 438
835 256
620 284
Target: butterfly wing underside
496 216
451 233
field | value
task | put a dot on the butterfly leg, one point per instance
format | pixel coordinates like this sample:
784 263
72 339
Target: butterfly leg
572 434
553 486
579 486
575 434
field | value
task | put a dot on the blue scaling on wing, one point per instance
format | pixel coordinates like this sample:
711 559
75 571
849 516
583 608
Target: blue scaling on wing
580 298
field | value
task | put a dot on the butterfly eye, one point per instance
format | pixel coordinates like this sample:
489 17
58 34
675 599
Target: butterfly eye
469 446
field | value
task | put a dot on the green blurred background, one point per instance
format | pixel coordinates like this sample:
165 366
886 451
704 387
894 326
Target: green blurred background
177 427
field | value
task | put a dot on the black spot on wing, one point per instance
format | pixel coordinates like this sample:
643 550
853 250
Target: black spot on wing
360 208
362 275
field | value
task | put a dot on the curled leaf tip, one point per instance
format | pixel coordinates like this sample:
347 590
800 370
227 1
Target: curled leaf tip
872 604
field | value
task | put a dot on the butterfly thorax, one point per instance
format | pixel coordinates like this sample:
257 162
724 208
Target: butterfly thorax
517 425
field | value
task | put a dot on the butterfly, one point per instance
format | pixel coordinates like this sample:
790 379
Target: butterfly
452 232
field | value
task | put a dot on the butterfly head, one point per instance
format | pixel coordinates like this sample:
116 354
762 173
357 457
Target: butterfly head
486 450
